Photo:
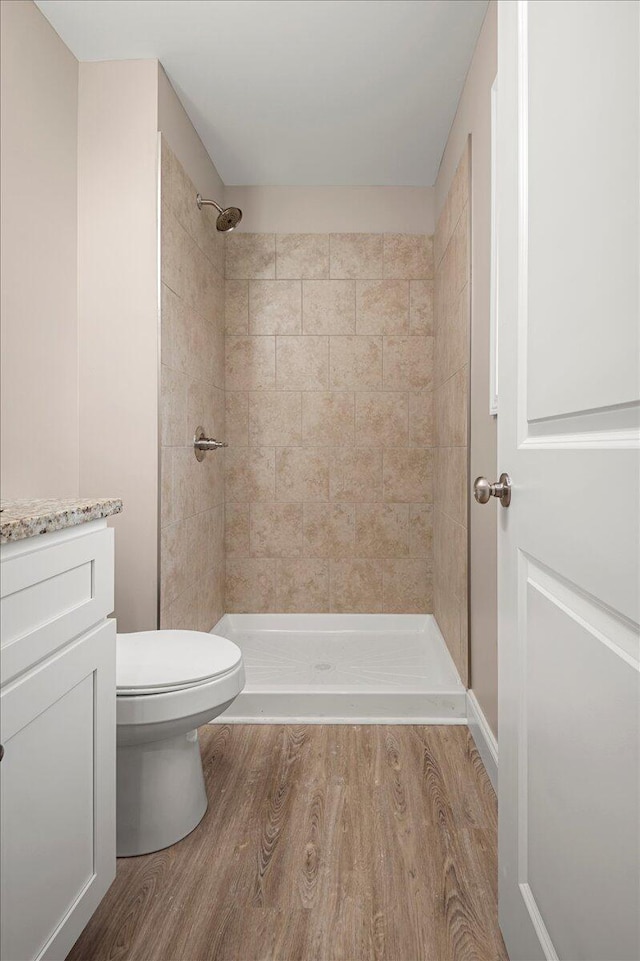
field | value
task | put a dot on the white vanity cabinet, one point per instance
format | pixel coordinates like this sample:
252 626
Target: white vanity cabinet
58 732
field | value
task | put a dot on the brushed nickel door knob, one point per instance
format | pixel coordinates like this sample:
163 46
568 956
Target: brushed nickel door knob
483 490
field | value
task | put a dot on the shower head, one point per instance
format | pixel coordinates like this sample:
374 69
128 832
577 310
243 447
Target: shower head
227 220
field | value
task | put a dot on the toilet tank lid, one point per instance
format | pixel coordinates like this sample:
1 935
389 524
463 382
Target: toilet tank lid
155 661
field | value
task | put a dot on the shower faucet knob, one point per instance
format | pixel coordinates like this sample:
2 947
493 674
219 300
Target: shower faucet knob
202 443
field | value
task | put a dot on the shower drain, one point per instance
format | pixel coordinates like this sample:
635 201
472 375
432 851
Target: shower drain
323 667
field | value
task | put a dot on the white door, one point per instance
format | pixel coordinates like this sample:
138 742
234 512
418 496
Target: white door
568 227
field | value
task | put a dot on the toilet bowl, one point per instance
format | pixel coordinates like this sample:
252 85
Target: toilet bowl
168 684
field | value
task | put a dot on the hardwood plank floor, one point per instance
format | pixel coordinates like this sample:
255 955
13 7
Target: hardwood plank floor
321 843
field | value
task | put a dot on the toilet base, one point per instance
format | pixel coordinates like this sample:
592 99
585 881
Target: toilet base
161 795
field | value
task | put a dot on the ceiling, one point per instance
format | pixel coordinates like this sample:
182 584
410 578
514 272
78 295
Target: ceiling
298 92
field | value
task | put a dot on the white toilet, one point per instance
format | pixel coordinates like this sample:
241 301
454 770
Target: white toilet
168 684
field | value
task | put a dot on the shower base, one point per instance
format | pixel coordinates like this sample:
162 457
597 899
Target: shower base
343 669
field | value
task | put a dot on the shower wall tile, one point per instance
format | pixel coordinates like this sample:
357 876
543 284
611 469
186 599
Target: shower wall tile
251 256
237 418
452 287
330 420
356 586
236 306
356 475
302 586
407 583
329 530
407 362
302 363
275 419
302 256
421 307
408 256
382 419
329 306
356 255
192 383
382 306
275 306
250 363
276 530
355 363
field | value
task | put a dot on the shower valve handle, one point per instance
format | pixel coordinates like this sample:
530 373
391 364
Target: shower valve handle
202 443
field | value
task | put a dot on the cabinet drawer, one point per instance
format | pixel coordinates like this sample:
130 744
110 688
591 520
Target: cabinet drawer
52 590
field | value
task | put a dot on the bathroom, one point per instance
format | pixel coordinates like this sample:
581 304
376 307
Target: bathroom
292 596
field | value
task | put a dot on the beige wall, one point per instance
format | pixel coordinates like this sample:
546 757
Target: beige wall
408 210
38 140
118 317
192 395
474 117
451 370
328 484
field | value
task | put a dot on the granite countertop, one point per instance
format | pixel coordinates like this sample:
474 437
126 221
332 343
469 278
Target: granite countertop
26 518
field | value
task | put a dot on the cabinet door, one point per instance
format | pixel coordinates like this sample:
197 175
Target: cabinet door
57 782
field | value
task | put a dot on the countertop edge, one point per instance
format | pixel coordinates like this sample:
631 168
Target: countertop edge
28 518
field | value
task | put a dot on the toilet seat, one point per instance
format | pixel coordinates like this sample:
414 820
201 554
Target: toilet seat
165 662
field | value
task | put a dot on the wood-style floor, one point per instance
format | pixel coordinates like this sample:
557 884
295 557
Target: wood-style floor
321 843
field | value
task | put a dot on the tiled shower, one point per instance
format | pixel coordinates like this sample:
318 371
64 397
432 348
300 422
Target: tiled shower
337 375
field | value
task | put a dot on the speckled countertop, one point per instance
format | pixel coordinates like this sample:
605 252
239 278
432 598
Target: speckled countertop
26 518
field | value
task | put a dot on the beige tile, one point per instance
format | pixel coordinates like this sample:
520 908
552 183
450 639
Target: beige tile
302 474
174 569
167 489
302 256
174 339
185 268
356 586
237 418
250 363
251 256
452 482
179 192
250 474
408 256
421 531
421 307
382 419
407 586
206 408
356 475
382 530
302 363
329 306
173 407
236 530
407 363
183 613
210 600
275 418
457 197
450 588
250 586
355 363
236 306
302 586
275 306
276 530
328 419
215 539
452 340
421 426
208 481
451 410
356 256
407 476
382 307
185 478
329 530
196 533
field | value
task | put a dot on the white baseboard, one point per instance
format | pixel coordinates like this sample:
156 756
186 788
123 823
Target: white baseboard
484 738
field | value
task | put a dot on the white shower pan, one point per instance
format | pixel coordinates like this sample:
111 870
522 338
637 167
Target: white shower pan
343 669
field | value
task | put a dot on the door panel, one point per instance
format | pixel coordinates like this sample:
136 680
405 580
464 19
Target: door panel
568 433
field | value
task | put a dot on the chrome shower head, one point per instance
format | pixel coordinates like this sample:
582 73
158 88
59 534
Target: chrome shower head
227 220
